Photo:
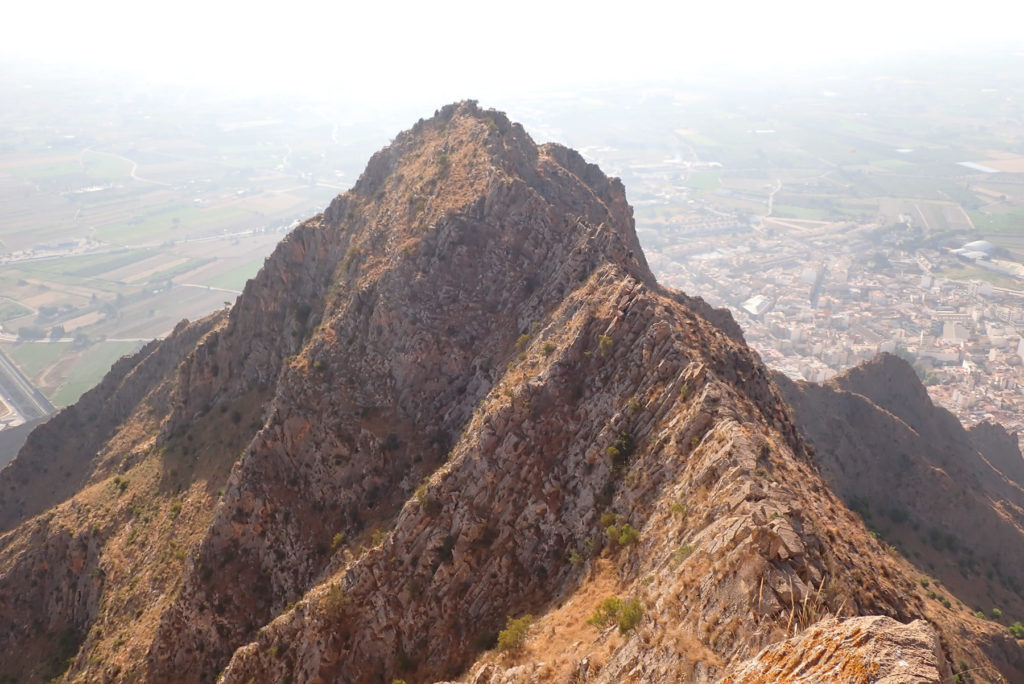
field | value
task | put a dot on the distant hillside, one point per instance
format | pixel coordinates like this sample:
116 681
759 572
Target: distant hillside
12 439
950 499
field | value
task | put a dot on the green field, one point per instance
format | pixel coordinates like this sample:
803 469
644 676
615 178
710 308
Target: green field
35 357
54 280
235 278
47 169
92 265
175 271
90 369
10 310
797 212
172 223
1010 222
105 167
703 180
976 273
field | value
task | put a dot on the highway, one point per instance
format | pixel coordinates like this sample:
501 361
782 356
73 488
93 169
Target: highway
20 393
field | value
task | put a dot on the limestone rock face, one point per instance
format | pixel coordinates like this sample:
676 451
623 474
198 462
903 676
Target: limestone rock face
863 649
458 396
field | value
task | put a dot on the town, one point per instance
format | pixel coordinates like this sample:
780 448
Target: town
815 302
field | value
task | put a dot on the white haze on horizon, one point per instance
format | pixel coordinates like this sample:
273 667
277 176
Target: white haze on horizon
401 51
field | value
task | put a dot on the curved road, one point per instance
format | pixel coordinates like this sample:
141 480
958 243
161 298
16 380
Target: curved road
135 166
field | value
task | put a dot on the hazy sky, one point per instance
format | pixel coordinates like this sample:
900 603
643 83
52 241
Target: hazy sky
450 50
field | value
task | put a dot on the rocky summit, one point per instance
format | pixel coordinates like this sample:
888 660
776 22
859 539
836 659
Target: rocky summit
454 430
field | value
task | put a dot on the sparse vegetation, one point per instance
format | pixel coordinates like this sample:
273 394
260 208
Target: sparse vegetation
682 553
1016 629
512 639
630 615
626 614
606 611
623 535
335 602
620 450
604 345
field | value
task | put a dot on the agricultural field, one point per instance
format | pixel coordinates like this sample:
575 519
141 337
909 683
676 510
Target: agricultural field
123 212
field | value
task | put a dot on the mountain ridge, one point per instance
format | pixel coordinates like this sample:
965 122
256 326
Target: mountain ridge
455 397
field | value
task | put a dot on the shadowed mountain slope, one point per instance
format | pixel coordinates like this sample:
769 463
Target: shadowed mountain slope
949 498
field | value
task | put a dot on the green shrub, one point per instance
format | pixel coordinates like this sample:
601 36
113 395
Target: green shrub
1016 629
604 345
630 615
621 449
606 611
548 348
626 614
996 613
623 535
980 614
513 637
335 601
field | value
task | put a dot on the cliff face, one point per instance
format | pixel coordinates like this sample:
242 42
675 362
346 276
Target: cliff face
457 396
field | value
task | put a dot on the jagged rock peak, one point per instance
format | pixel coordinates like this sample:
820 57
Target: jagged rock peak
891 383
466 159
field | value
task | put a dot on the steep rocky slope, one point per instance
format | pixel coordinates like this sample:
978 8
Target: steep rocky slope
456 397
949 498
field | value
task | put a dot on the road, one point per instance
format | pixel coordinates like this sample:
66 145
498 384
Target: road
20 393
135 166
771 197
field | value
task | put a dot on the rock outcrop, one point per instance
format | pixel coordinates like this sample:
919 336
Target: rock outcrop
456 397
857 650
